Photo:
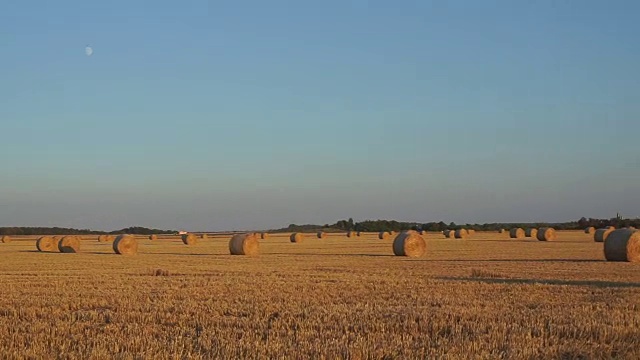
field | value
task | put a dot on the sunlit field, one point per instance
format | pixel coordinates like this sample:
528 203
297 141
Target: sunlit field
484 297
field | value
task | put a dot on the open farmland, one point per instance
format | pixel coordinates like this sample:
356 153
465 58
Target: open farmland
487 296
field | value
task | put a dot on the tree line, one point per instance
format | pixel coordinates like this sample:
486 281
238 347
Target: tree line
70 231
393 225
348 225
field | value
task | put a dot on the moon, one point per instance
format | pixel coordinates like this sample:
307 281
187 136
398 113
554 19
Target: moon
88 50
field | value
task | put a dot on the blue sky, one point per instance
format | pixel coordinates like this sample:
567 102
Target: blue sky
254 114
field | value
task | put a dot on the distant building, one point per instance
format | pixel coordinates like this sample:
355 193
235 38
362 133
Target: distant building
182 232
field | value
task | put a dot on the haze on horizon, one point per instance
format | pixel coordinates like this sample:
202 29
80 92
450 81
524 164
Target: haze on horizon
222 116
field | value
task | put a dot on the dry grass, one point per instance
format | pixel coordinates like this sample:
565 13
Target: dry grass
486 274
157 272
487 297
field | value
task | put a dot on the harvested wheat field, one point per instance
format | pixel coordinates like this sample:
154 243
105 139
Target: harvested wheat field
486 297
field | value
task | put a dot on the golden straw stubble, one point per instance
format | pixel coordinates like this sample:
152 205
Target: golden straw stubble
409 244
189 239
622 245
244 244
296 237
69 244
47 244
125 244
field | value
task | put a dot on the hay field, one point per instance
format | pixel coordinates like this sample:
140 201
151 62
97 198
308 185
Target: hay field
487 296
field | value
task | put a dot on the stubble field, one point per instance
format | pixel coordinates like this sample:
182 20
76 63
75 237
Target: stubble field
485 297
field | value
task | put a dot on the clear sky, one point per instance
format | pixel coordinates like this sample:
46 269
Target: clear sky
224 115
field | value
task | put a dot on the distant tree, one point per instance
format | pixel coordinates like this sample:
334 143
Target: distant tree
583 222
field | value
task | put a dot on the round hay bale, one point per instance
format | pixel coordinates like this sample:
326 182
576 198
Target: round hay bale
204 236
321 234
461 234
382 235
153 237
244 244
471 232
359 233
516 233
264 236
46 244
392 233
449 234
611 227
351 234
590 230
189 239
125 245
601 234
531 232
69 244
296 237
546 234
622 245
6 239
409 244
502 231
103 238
